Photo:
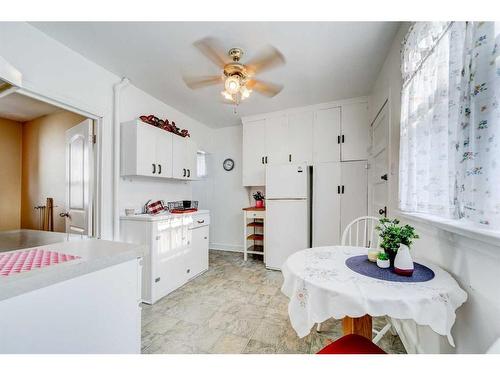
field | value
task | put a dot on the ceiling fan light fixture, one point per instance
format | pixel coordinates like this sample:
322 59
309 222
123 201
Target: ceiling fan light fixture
232 84
227 95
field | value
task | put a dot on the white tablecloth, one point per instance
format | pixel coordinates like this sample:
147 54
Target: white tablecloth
320 286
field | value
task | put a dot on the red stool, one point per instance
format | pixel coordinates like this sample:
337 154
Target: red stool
352 344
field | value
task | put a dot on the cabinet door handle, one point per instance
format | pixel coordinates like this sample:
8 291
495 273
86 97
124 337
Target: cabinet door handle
338 139
189 172
266 159
159 168
154 168
342 138
263 160
184 171
342 189
338 189
290 158
200 221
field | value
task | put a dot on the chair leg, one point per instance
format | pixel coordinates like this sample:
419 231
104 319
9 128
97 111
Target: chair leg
318 327
381 333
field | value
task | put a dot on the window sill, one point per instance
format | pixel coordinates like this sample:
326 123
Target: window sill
460 227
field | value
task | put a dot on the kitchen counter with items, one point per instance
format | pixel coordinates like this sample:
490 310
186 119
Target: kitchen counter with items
76 296
177 248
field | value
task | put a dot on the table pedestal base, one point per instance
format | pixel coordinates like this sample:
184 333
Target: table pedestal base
360 326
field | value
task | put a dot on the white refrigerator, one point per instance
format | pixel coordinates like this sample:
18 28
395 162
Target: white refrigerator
288 212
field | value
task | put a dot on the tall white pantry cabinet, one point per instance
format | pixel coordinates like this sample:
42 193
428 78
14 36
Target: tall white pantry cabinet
334 138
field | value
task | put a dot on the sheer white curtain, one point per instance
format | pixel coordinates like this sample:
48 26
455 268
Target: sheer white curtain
448 158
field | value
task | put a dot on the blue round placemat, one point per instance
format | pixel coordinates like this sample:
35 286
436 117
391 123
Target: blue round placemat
363 266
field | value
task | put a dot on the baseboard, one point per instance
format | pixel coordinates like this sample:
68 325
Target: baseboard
226 247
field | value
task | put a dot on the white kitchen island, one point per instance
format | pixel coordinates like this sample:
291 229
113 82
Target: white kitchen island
87 305
176 249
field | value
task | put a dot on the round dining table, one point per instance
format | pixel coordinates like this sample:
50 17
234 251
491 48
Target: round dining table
322 283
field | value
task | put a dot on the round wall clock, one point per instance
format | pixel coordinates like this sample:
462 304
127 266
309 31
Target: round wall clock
228 164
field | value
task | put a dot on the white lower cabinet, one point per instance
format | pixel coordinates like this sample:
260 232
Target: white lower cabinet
178 249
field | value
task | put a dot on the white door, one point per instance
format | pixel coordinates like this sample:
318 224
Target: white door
300 138
163 154
276 140
254 152
326 204
354 192
286 230
379 164
199 250
146 150
79 178
287 181
191 159
179 157
326 135
355 132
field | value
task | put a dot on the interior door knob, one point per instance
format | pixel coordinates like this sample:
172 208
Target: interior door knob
384 177
383 211
64 214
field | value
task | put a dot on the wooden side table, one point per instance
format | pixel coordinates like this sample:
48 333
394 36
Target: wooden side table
253 231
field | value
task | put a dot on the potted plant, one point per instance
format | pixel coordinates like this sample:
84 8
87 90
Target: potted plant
383 260
393 235
259 199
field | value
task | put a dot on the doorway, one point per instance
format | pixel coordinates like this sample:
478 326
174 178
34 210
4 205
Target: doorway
48 179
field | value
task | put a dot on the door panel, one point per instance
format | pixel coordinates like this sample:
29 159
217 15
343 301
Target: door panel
286 230
379 164
354 200
356 131
146 150
254 151
326 204
300 138
78 178
164 154
191 164
276 140
199 253
179 159
326 129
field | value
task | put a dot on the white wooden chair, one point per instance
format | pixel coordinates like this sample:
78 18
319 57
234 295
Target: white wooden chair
361 232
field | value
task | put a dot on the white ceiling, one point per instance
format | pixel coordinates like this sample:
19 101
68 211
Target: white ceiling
325 60
22 108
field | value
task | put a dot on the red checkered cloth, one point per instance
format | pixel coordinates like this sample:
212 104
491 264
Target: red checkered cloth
154 208
22 261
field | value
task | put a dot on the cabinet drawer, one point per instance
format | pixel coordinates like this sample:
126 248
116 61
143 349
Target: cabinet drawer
200 220
255 214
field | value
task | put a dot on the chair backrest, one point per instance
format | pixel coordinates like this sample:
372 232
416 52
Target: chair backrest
361 232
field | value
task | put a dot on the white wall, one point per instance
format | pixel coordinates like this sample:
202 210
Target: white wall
226 194
472 263
52 69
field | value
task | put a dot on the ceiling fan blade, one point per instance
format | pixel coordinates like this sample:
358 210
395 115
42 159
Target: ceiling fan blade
264 88
269 58
202 81
212 49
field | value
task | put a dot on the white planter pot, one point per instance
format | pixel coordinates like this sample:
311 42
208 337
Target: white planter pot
403 263
383 263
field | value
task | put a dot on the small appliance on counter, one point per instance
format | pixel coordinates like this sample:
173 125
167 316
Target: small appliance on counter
181 207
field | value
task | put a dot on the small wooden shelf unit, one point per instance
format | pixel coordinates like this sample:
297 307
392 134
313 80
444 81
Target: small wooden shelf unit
253 224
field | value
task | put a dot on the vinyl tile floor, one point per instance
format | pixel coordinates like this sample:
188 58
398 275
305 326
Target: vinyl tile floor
234 307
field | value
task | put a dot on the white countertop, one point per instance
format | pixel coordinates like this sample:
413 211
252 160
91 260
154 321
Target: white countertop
95 255
162 216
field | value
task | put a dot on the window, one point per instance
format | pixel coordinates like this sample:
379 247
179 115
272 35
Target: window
201 164
450 121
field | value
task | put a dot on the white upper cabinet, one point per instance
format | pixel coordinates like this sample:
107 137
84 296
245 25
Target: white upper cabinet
150 151
326 135
300 137
184 160
254 152
276 140
355 131
145 151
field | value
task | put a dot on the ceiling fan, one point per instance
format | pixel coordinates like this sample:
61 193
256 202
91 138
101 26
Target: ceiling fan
238 78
